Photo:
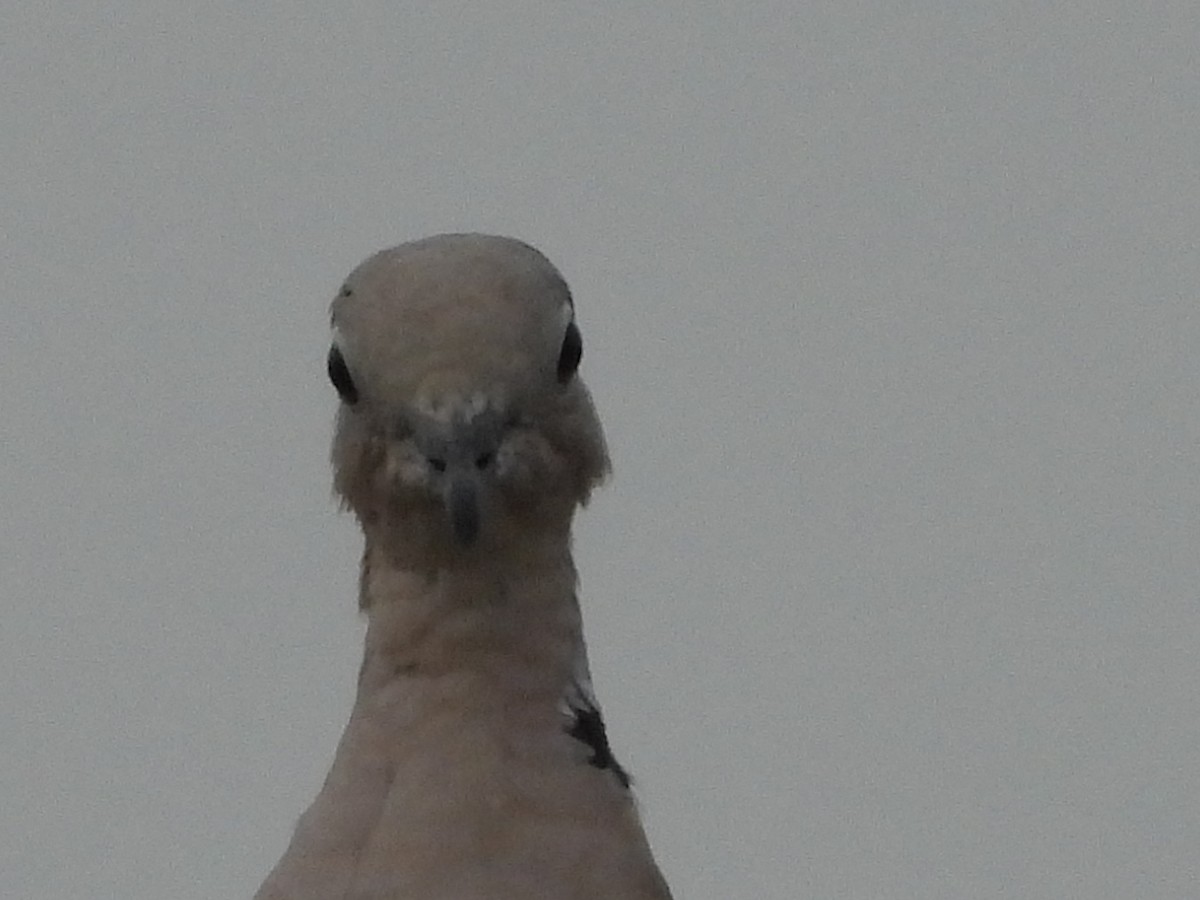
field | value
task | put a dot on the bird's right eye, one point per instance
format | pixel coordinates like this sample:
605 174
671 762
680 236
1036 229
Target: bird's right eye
339 374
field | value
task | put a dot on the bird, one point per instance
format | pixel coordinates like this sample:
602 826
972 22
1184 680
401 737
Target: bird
475 764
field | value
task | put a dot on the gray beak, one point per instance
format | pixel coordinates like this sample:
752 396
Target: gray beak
461 454
462 506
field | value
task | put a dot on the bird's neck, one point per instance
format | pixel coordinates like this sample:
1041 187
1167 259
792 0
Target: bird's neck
504 627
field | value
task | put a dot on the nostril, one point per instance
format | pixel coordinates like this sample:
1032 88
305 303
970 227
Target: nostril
437 464
483 460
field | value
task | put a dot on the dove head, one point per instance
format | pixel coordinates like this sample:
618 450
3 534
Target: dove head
463 424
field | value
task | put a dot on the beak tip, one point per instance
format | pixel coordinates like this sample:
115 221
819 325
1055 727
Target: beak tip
466 533
462 504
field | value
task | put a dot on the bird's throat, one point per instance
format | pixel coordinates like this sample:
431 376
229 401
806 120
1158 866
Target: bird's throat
503 628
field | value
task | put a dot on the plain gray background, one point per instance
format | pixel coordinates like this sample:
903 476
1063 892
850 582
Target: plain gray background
890 312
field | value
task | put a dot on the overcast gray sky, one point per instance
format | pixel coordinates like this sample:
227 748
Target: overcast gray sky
890 311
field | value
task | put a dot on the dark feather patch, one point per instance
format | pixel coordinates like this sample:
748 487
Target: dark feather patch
587 726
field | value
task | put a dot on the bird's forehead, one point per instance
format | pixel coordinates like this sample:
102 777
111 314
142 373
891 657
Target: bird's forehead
465 309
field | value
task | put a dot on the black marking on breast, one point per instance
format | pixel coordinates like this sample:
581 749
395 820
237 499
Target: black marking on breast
587 725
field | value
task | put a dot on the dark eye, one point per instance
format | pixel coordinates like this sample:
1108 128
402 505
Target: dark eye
570 354
340 376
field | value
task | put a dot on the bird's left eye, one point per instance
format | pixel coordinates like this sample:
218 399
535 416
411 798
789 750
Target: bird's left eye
339 374
570 354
